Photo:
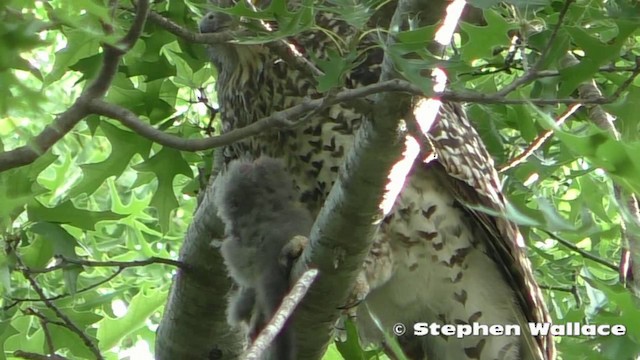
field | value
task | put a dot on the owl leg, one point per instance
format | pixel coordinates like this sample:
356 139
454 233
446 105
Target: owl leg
241 304
377 269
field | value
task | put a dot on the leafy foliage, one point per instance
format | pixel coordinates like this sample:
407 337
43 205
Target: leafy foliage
105 193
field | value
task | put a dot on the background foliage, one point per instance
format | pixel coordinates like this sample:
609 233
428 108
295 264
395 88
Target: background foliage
104 193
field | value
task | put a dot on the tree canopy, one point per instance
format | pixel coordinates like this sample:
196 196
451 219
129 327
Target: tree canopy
108 130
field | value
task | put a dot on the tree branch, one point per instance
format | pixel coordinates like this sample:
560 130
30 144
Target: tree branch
90 101
282 119
41 143
289 303
194 322
604 69
343 231
142 10
64 262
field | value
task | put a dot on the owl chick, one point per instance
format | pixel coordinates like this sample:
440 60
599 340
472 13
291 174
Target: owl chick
258 204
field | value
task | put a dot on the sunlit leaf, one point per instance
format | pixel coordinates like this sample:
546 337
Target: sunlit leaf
141 306
124 146
482 39
67 213
164 199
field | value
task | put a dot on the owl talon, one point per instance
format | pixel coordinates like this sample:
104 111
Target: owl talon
292 250
358 294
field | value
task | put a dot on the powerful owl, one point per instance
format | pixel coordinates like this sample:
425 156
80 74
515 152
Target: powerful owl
435 258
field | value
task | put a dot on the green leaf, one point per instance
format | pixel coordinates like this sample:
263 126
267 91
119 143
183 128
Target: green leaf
67 339
351 348
88 66
33 343
617 158
6 286
597 54
6 331
295 22
415 40
624 312
80 45
124 145
553 220
93 300
355 13
166 165
626 111
335 69
37 254
523 121
142 306
482 39
591 194
18 187
143 102
61 241
152 70
67 213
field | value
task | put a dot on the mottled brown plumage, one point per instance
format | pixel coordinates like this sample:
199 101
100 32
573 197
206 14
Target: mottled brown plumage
434 258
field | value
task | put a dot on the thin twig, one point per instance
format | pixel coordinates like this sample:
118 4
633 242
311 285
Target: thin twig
197 38
629 81
282 119
33 312
142 10
65 319
44 323
538 142
557 288
545 52
573 290
531 74
491 69
285 50
17 301
583 253
541 139
66 262
604 69
288 51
